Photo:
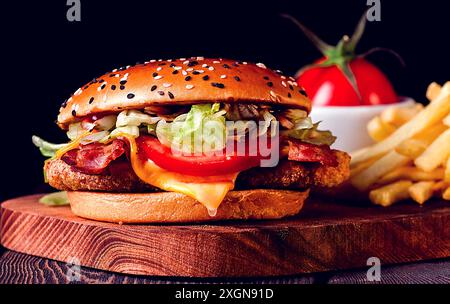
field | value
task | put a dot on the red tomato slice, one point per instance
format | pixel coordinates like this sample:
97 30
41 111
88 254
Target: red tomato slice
203 165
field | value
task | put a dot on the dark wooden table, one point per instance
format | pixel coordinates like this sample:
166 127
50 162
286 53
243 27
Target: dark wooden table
18 268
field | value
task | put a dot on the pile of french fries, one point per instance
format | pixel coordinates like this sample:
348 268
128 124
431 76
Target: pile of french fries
411 155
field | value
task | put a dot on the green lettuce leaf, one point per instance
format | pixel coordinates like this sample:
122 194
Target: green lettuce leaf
47 149
55 199
202 129
312 134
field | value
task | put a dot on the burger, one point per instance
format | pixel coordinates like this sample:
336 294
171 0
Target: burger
190 140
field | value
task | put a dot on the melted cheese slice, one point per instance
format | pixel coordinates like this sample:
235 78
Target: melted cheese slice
209 191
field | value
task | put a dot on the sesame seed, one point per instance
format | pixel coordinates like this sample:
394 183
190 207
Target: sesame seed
159 69
153 60
101 81
122 87
226 66
303 92
215 61
291 87
289 95
153 88
211 68
206 77
115 70
177 68
272 93
283 83
270 84
130 96
85 87
175 72
245 62
182 59
283 77
184 72
200 58
74 113
218 85
161 93
189 69
192 63
113 87
172 65
122 82
291 78
187 78
117 76
169 60
204 65
223 76
155 74
237 78
235 64
189 86
158 77
261 65
170 95
186 62
196 72
91 100
167 85
266 77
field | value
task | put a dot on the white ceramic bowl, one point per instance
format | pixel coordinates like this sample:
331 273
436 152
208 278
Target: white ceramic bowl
349 124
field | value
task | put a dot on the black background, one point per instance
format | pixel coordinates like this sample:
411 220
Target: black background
46 58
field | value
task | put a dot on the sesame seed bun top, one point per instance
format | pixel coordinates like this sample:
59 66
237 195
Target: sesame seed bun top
182 81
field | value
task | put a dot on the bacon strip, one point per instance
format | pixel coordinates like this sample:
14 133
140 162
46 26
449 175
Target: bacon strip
306 152
95 158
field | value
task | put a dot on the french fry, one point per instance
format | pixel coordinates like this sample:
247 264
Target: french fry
446 120
396 116
390 194
421 192
446 194
440 187
432 114
378 130
411 173
361 167
447 171
414 147
382 166
433 91
436 154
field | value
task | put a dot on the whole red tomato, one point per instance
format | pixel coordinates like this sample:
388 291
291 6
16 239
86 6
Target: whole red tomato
328 86
341 78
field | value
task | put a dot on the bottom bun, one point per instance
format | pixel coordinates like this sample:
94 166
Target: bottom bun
171 207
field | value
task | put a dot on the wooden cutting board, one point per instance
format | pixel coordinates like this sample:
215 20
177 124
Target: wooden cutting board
324 236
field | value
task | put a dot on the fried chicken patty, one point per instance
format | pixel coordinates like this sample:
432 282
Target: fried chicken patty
287 175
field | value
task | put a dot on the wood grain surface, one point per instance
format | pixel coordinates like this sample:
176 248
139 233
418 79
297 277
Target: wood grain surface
19 268
324 237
